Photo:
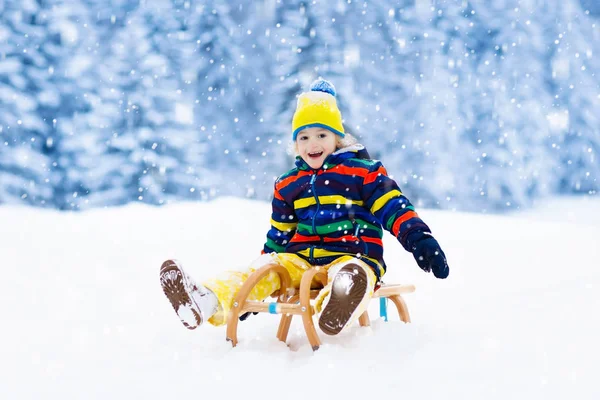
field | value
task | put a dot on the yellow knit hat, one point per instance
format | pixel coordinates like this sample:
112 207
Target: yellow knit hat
318 108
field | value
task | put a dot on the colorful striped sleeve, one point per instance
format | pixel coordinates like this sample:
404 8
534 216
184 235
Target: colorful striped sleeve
390 206
283 224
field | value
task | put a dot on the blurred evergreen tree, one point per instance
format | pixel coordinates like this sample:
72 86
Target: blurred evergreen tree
474 105
36 95
286 38
137 142
573 43
505 103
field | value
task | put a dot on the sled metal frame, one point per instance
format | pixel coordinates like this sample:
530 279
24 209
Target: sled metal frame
290 302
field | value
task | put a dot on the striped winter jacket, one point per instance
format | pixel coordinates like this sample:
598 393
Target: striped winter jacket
340 209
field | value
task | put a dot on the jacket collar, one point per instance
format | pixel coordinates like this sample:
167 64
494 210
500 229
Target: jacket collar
337 157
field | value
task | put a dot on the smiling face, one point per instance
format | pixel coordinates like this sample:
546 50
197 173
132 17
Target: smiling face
315 144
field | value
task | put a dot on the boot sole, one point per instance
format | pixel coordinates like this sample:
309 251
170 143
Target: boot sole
174 283
343 300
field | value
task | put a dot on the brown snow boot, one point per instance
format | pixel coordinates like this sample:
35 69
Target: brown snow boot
192 303
347 292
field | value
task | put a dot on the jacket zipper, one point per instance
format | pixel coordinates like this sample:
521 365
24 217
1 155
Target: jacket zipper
356 233
314 221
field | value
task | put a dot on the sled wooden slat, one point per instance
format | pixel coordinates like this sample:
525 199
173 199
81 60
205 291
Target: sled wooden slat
272 308
391 290
290 302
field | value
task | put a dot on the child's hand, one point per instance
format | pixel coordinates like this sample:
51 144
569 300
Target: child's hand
430 257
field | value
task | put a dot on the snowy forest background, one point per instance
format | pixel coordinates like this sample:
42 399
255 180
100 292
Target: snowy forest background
479 105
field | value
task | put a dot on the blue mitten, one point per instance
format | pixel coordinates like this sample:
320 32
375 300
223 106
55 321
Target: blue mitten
429 255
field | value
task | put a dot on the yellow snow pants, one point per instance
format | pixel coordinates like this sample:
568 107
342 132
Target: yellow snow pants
227 284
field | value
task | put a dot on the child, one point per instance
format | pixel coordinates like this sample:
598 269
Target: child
329 211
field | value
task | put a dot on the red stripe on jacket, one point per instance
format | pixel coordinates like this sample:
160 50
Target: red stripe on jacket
372 177
278 195
348 171
290 179
301 238
405 217
348 238
372 240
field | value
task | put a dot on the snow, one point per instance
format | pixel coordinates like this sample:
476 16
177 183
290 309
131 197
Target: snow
83 315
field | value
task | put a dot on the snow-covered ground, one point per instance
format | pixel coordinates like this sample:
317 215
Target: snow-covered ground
83 315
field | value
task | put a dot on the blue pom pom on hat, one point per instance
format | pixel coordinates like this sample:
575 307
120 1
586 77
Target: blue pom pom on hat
321 85
318 108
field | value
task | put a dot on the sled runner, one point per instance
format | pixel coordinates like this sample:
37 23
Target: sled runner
290 302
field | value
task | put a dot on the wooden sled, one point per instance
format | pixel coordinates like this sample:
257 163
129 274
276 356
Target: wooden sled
291 302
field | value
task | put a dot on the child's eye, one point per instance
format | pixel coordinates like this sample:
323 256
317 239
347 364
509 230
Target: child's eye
322 135
303 137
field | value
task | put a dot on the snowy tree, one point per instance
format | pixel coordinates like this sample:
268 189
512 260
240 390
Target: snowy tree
507 104
259 95
36 93
479 137
286 37
573 49
216 68
137 142
405 96
474 105
324 56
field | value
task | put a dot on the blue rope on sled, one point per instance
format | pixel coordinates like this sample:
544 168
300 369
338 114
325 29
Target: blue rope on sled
383 308
273 308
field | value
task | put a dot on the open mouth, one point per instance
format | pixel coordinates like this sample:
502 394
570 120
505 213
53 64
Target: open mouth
315 154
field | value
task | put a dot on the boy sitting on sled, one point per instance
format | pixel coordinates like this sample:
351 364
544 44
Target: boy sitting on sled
328 211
